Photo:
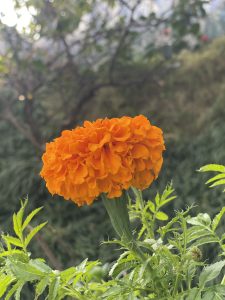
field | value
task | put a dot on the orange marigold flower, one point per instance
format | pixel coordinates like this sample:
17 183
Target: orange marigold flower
105 156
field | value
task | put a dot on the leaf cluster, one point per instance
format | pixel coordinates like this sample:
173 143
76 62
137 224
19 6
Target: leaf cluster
172 264
18 268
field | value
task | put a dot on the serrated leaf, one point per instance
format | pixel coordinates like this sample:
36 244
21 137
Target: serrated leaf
20 213
113 291
219 182
8 253
211 295
219 176
30 217
205 240
41 286
194 294
197 232
53 288
143 268
123 263
16 227
165 196
77 278
40 265
82 265
141 232
18 291
33 232
213 167
161 216
12 240
5 281
13 290
68 274
25 272
151 206
157 199
210 272
167 200
200 220
217 218
91 265
216 292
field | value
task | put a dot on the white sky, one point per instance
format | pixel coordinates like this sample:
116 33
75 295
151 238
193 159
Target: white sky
22 19
9 17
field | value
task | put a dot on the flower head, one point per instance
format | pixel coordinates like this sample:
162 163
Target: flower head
105 156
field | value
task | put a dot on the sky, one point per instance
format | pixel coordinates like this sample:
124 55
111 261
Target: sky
9 17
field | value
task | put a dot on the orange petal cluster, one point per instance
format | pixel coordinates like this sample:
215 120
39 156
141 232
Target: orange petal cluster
105 156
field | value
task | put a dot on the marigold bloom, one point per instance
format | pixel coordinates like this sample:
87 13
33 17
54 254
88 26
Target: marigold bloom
105 156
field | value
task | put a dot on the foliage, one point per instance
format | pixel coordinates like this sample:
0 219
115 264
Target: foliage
51 79
18 268
172 265
218 179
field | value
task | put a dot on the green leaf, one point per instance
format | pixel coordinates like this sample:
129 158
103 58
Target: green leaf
141 232
11 252
194 294
21 212
205 240
13 290
25 272
217 219
82 265
143 268
33 232
12 240
210 272
123 261
151 206
5 281
30 217
213 167
40 265
53 288
68 274
219 176
166 198
113 291
201 220
161 216
197 232
41 286
211 295
219 182
18 291
123 265
16 227
216 292
157 199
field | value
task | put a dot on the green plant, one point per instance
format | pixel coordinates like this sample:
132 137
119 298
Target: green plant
171 263
19 268
218 179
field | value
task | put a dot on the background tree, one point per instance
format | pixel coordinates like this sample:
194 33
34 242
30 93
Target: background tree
81 60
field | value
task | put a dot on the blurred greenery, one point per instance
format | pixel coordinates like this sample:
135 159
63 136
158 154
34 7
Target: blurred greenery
75 62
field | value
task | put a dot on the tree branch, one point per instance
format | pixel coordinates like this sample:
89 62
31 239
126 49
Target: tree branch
10 117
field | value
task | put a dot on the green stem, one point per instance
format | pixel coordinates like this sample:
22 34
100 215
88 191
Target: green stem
118 213
119 217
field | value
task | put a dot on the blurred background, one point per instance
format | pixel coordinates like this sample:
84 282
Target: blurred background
62 62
